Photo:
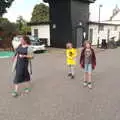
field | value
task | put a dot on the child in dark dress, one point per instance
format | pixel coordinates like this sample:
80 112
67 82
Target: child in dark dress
21 66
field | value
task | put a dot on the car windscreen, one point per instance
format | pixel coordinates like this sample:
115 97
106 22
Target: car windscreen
17 38
33 38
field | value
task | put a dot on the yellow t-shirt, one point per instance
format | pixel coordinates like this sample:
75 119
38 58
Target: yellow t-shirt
71 56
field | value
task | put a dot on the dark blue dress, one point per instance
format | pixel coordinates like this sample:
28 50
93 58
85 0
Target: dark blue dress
22 74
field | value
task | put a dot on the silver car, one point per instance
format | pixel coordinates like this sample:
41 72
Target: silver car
35 43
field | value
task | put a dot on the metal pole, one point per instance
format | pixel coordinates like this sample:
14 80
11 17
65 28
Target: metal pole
99 26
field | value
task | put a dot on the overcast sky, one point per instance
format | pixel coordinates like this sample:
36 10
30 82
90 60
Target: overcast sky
25 8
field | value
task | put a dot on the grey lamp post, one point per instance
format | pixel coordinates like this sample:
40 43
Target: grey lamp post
100 6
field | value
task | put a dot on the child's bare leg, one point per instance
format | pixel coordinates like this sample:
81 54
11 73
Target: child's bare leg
28 86
89 77
85 77
90 80
15 91
16 88
73 71
69 70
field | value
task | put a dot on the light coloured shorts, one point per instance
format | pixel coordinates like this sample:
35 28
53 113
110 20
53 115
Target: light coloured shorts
88 68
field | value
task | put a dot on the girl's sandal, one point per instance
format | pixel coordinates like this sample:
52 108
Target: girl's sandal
27 90
15 94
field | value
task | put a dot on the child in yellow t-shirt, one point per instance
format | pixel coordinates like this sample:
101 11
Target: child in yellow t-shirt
71 59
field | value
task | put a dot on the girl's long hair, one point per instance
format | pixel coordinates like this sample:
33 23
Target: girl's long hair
87 42
27 39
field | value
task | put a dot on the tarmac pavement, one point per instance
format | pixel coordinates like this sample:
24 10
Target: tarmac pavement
56 97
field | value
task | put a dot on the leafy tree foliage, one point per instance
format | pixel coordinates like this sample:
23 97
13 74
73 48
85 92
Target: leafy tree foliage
22 26
7 26
4 4
7 30
40 13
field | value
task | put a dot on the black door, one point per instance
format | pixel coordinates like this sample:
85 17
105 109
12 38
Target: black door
91 35
79 37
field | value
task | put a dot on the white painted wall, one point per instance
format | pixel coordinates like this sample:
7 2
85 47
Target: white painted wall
104 34
95 33
43 31
112 22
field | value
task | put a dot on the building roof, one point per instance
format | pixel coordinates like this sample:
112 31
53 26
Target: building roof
90 22
117 22
115 18
116 14
90 1
103 23
38 23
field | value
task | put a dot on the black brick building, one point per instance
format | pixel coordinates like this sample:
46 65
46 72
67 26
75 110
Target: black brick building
68 21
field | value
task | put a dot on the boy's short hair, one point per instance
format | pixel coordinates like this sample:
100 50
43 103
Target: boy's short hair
69 44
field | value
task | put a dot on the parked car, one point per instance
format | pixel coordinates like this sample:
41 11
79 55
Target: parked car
35 43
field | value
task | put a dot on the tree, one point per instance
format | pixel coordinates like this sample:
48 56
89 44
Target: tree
7 26
40 13
22 25
4 21
3 5
7 30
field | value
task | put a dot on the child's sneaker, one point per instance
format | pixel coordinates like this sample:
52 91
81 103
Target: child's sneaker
85 83
27 90
70 74
72 77
90 85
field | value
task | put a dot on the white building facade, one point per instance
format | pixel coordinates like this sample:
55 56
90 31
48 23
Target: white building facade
41 30
107 29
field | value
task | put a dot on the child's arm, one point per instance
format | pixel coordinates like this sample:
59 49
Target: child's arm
75 53
94 58
81 56
29 54
15 55
82 59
